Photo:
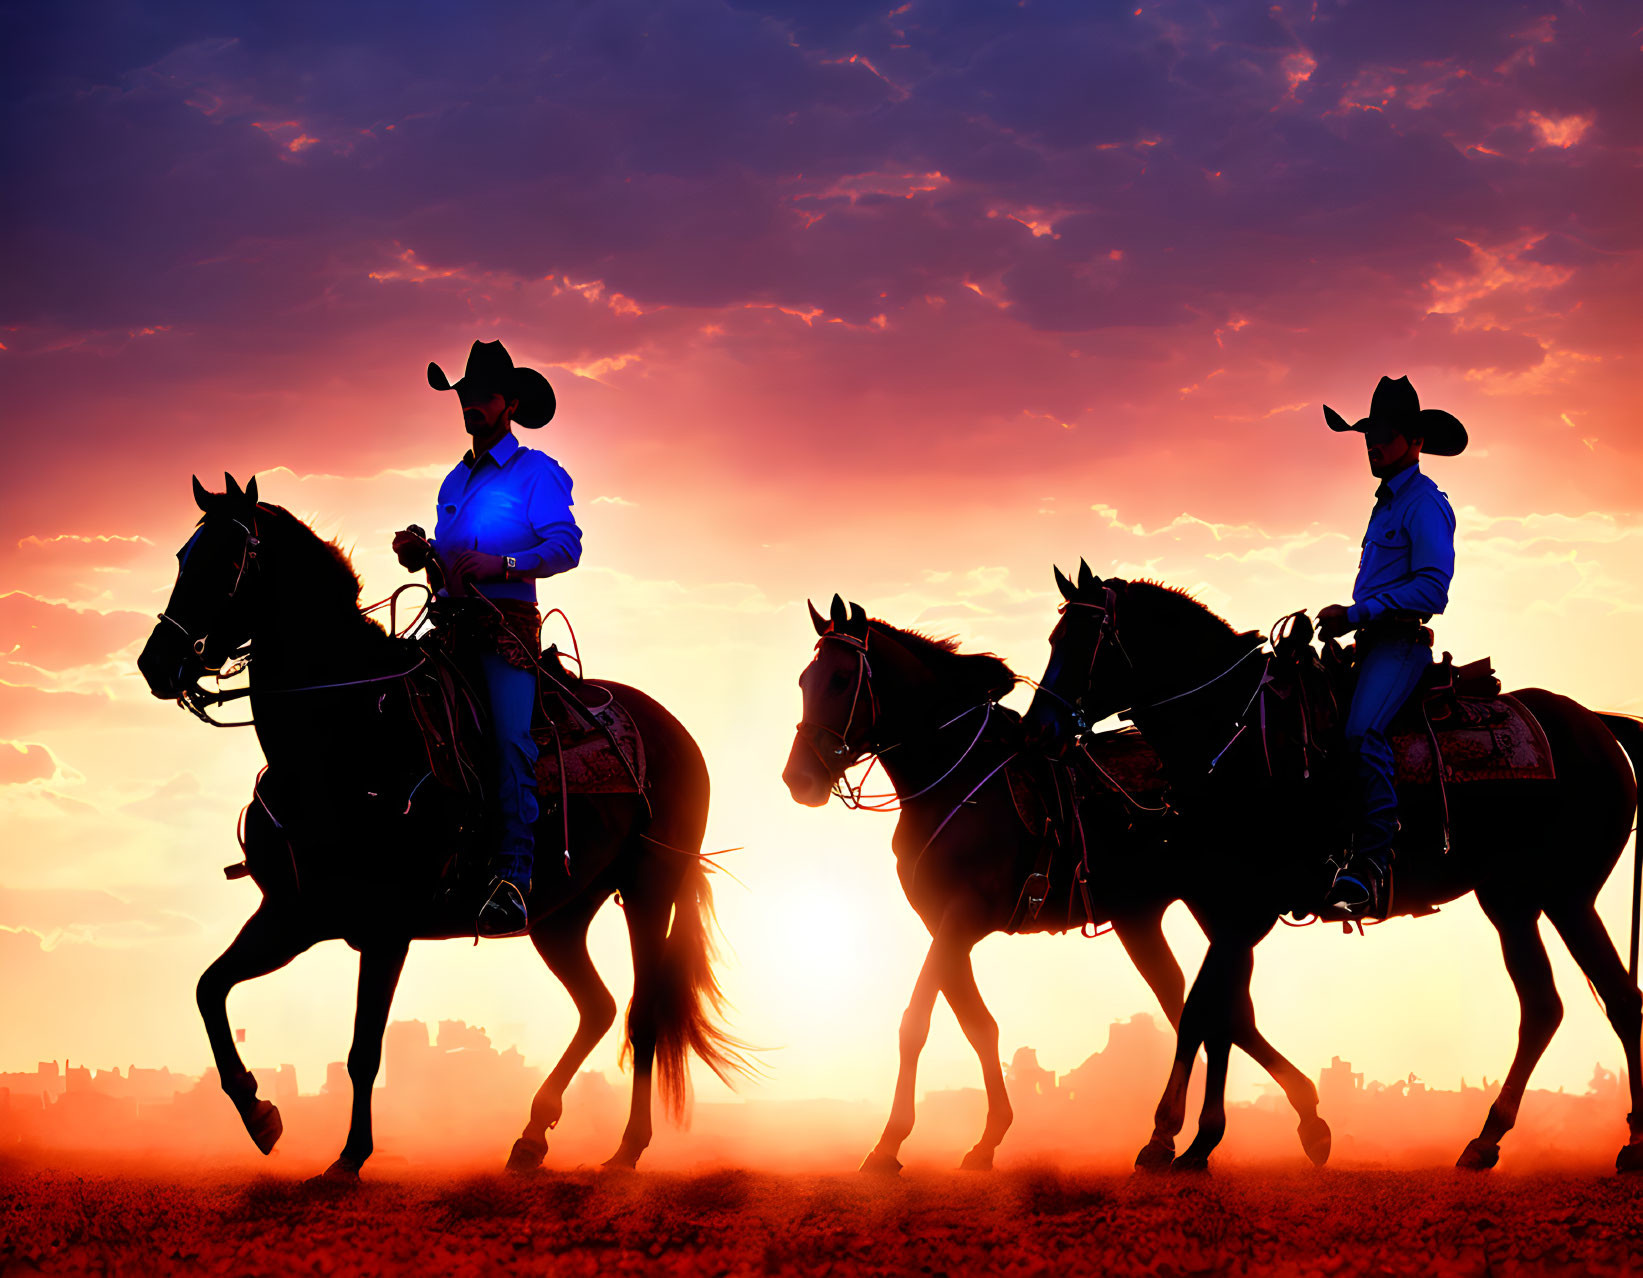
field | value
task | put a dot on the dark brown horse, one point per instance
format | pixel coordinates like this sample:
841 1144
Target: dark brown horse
929 713
1526 848
346 814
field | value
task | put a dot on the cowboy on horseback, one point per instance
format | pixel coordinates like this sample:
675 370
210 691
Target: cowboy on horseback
503 520
1403 580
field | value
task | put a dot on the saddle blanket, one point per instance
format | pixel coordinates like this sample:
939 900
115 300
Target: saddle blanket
1479 739
591 760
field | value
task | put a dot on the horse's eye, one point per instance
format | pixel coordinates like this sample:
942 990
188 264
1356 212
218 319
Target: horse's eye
836 682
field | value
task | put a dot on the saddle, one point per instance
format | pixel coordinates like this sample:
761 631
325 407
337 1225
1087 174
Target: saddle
1456 728
587 741
584 747
1049 799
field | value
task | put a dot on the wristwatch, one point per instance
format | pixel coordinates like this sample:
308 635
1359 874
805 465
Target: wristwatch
509 566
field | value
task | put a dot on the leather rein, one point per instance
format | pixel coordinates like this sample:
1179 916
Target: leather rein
198 702
838 759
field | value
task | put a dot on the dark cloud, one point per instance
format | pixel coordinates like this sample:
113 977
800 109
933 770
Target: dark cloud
220 213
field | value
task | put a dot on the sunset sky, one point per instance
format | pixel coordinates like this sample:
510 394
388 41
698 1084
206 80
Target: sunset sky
907 304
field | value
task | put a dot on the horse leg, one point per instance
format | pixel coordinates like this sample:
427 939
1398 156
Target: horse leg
915 1029
1143 940
379 969
1541 1011
1171 1114
1225 976
981 1029
1302 1093
565 950
648 911
1588 941
265 944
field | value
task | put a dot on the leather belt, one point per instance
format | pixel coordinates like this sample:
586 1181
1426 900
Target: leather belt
1396 625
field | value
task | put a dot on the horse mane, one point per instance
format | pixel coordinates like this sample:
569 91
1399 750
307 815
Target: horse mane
326 571
971 674
1176 606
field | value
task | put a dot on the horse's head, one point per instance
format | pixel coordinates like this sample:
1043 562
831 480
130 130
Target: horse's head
1088 676
840 708
207 617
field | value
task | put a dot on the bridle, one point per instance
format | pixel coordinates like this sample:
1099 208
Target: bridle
837 760
193 698
197 701
1077 707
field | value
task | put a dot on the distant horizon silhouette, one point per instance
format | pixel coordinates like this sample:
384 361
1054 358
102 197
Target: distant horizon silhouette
448 1091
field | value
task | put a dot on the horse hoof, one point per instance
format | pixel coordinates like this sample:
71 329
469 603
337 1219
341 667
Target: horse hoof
1630 1159
1156 1155
621 1161
1479 1155
340 1176
977 1159
526 1155
1190 1163
877 1164
265 1125
1316 1139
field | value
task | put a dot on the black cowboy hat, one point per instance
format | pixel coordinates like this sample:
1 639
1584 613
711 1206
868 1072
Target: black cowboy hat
1396 405
491 368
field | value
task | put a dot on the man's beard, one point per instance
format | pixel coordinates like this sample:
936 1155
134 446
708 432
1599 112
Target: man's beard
474 423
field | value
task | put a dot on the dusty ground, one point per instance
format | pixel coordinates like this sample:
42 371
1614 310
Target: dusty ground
735 1222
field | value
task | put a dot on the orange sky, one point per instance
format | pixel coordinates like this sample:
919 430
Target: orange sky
911 333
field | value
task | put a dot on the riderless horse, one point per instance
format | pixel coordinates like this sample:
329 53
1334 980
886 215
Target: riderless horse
966 858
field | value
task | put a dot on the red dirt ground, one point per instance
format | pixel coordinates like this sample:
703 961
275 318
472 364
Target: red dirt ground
737 1222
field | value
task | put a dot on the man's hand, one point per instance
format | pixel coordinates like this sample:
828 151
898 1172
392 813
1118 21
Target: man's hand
411 546
1332 622
473 565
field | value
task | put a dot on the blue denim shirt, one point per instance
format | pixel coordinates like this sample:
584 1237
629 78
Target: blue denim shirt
1408 552
512 501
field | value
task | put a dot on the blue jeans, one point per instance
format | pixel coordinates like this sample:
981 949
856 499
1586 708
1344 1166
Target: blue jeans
512 695
1388 671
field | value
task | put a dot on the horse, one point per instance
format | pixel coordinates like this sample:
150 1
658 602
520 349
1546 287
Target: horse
346 834
1188 681
929 713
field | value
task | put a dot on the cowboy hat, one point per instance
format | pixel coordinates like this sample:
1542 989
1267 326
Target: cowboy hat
1396 406
491 368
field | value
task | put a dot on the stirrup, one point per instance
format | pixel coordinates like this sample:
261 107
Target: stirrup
506 902
1362 890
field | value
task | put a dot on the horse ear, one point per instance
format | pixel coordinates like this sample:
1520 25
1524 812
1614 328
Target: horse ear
201 497
1087 580
816 619
251 490
233 488
837 612
1063 585
858 616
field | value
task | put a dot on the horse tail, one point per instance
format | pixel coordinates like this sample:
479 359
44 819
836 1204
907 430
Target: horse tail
690 1002
1629 732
